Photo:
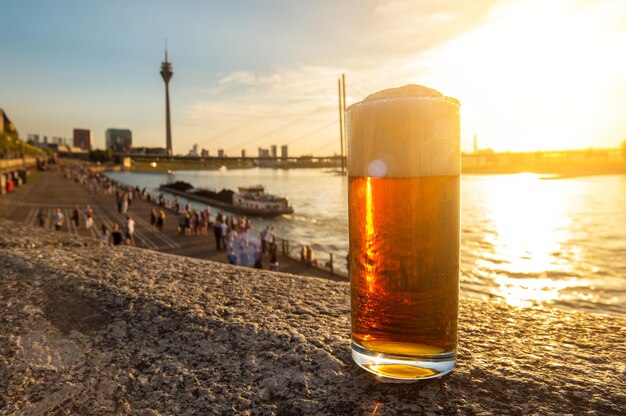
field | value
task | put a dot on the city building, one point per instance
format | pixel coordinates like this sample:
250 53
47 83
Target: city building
83 138
220 153
57 144
119 140
204 153
274 151
264 152
283 152
61 141
193 152
148 151
243 153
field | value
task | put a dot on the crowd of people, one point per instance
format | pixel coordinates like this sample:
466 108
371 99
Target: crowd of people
232 234
115 236
97 182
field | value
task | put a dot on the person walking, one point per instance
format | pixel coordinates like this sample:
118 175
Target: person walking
264 232
88 213
204 222
258 260
187 230
118 198
153 218
217 232
129 230
124 202
58 219
76 216
303 253
41 218
160 221
273 258
310 257
269 237
105 234
231 256
116 236
224 232
181 223
196 222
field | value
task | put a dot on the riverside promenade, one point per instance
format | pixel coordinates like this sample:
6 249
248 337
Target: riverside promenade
51 190
90 329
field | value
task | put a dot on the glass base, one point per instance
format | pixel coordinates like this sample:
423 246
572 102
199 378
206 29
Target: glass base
399 369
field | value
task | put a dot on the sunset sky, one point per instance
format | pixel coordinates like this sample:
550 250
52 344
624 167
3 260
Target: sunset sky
530 74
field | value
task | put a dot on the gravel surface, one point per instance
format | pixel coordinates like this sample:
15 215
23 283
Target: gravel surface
87 329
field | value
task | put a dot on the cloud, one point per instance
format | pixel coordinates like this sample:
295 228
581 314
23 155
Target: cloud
484 54
380 51
404 27
248 105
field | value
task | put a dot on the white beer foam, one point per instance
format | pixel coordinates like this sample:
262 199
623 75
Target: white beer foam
404 132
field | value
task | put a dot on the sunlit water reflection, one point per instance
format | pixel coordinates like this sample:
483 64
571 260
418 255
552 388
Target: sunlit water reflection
535 241
524 240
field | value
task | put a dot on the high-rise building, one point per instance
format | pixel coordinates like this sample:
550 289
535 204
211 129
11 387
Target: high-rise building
60 140
274 151
243 153
119 140
220 153
194 151
283 152
167 72
204 153
264 152
83 138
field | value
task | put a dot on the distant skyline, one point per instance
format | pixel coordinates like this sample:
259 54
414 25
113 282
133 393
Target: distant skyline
530 74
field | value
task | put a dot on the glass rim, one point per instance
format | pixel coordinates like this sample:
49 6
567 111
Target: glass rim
442 98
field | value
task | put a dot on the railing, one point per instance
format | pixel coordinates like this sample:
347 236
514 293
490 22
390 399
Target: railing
326 261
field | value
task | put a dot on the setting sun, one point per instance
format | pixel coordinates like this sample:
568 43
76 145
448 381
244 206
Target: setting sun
538 75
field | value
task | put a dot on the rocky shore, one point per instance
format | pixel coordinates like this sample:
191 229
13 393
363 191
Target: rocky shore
89 329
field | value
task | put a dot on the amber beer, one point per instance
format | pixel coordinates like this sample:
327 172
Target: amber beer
404 167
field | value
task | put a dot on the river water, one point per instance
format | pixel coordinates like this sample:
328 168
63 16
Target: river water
525 240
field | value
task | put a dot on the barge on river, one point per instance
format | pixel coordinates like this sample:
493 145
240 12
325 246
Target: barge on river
250 200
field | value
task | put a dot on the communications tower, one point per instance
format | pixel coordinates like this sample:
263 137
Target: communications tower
167 72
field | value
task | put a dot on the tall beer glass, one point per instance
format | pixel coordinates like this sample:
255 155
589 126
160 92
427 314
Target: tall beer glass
404 180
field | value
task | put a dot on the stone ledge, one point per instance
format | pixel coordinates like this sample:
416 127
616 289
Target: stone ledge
89 329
